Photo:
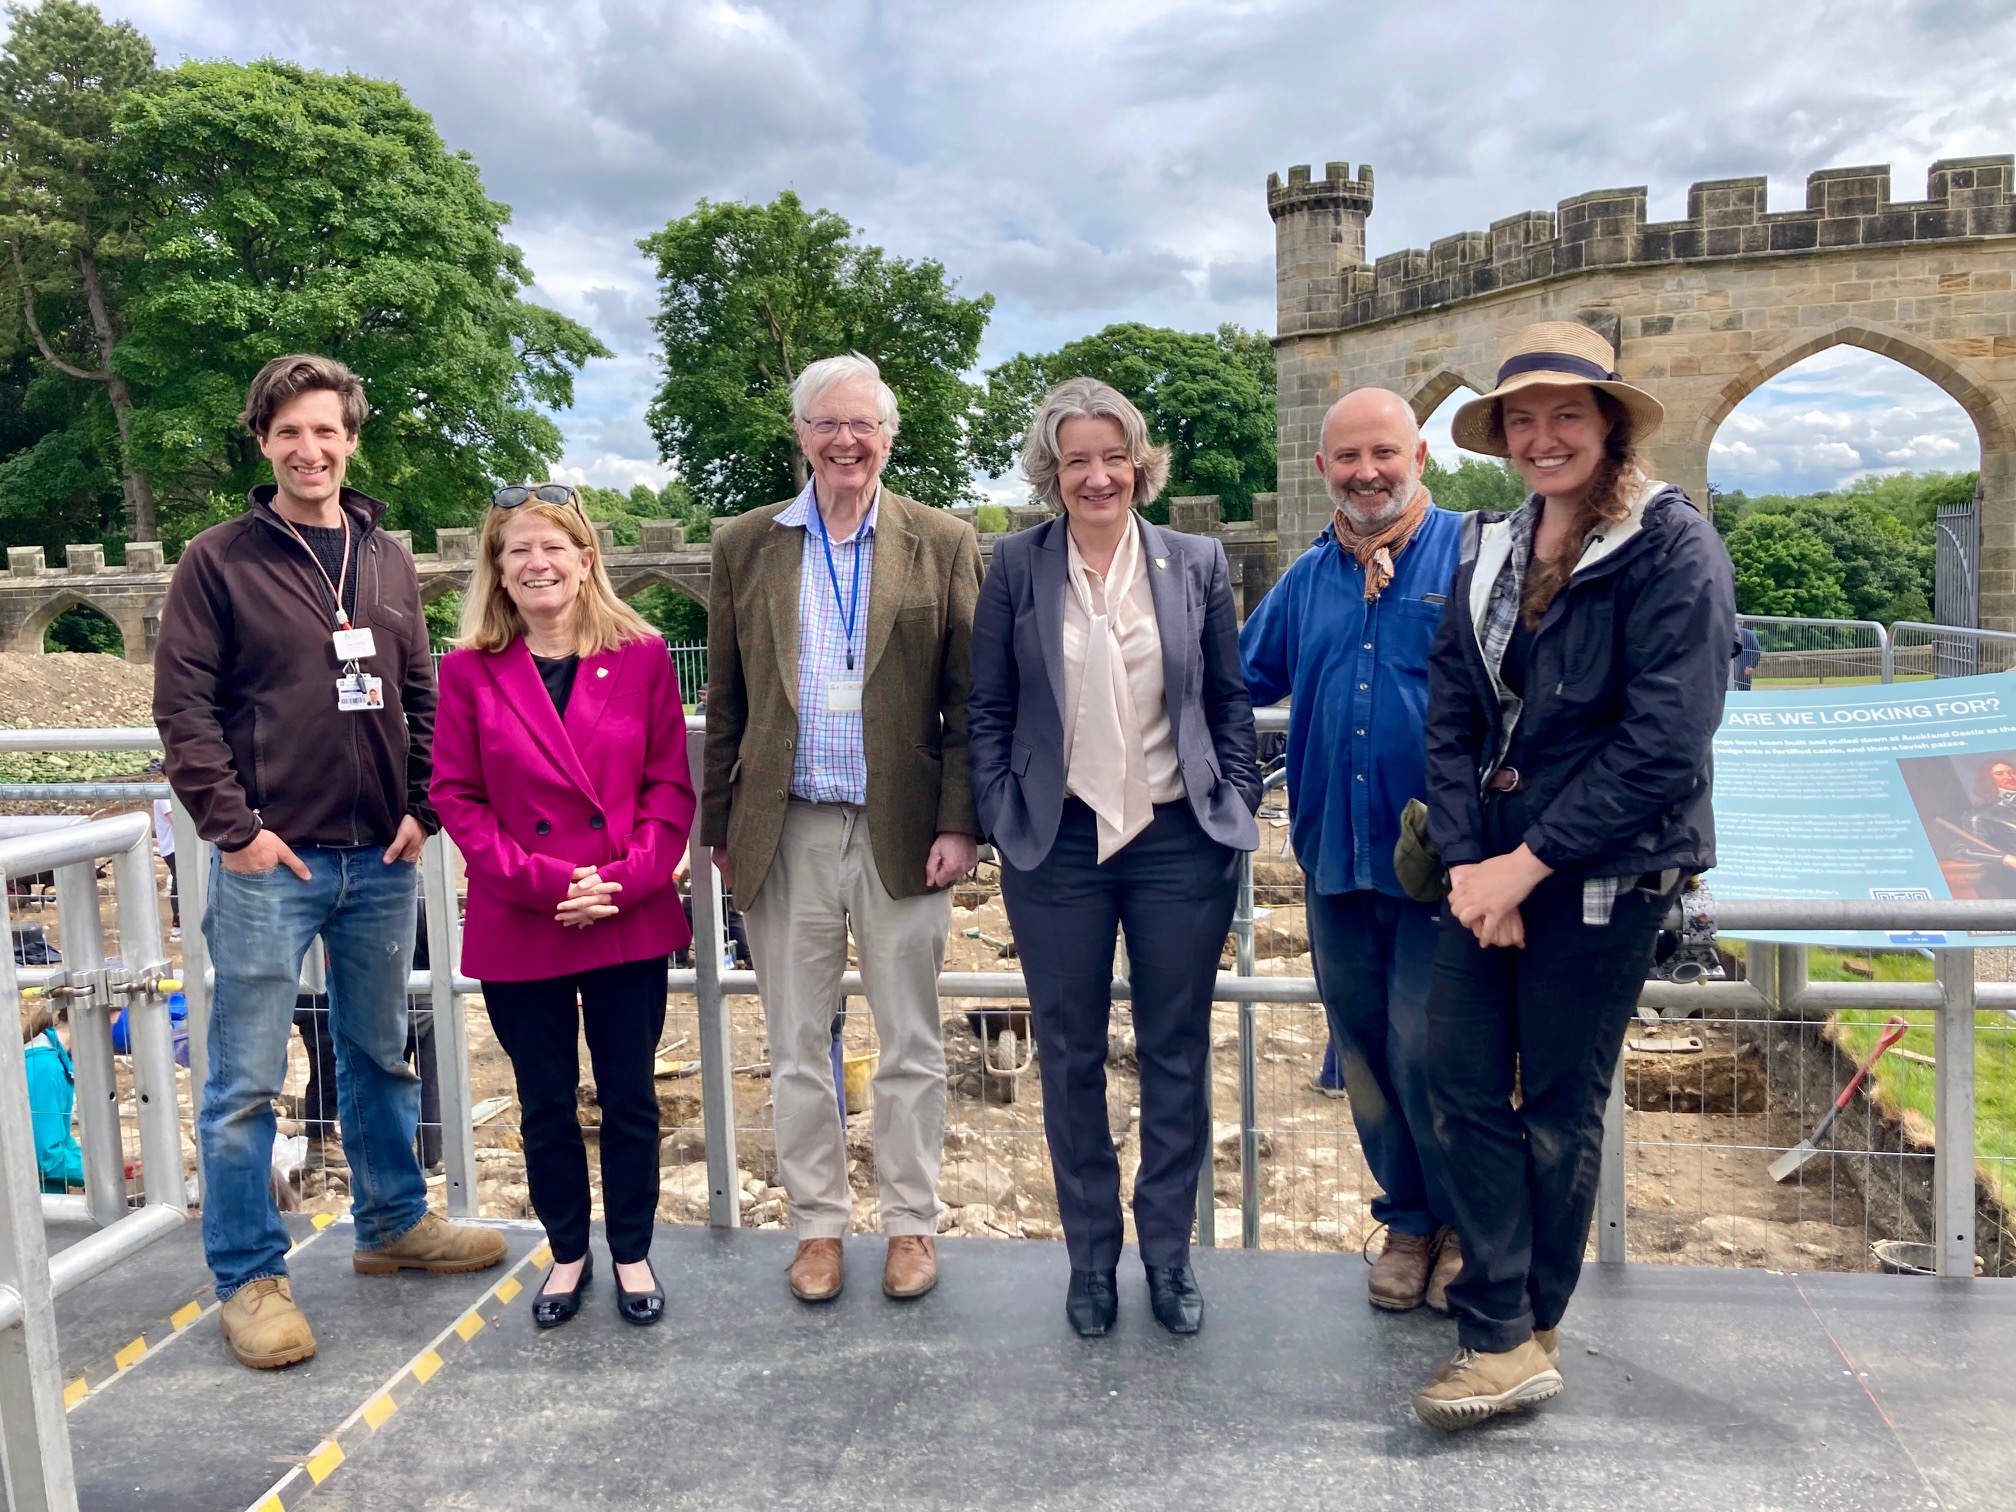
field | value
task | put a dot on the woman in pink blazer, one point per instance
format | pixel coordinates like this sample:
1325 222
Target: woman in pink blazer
560 770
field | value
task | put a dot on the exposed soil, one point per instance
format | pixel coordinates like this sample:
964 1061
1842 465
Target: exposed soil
1704 1118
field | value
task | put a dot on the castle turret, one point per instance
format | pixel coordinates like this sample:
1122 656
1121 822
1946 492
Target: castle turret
1319 231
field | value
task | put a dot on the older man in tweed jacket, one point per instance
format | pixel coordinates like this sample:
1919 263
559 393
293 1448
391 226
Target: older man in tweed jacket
837 797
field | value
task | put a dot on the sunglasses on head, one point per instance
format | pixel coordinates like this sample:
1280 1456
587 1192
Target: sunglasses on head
545 493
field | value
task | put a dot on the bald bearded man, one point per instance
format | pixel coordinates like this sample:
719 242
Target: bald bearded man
1344 635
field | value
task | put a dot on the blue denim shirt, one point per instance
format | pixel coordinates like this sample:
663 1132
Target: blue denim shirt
1357 675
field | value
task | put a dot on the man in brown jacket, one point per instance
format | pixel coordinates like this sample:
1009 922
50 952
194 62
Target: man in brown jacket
837 796
294 693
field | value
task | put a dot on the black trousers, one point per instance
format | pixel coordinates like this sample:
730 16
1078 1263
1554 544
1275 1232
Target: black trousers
1521 1180
1172 890
621 1009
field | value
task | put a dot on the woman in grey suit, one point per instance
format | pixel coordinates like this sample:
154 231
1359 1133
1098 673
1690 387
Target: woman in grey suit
1111 741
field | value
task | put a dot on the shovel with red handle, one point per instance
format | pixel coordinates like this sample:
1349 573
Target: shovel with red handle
1806 1149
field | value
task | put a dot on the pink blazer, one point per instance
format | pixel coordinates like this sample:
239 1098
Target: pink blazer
529 798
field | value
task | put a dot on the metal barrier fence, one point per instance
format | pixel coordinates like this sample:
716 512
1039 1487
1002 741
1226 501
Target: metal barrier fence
1814 651
1950 650
34 1435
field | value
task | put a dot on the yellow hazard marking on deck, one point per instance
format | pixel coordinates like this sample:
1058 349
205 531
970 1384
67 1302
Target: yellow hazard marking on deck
130 1353
324 1462
469 1327
507 1289
76 1391
272 1504
425 1366
186 1314
323 1220
541 1255
380 1409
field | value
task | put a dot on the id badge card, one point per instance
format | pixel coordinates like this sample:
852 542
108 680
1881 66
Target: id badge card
843 698
354 645
360 692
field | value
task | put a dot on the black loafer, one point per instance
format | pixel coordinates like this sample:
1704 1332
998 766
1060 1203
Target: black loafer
640 1307
1173 1295
551 1309
1092 1303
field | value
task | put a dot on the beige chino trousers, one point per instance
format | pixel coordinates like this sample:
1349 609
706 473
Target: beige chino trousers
822 881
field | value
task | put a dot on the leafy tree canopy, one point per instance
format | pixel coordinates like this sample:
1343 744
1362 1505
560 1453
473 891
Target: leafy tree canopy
749 296
1210 398
1474 483
287 210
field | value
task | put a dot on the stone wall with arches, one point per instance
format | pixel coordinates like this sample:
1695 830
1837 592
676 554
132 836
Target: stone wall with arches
1704 311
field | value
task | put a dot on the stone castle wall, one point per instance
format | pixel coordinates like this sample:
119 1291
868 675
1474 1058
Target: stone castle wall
1704 311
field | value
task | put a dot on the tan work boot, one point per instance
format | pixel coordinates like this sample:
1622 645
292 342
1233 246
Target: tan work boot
433 1244
912 1267
1448 1266
1474 1386
1399 1276
815 1270
1549 1340
263 1326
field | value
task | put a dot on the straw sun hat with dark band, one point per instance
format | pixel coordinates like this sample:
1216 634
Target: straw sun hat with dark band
1554 352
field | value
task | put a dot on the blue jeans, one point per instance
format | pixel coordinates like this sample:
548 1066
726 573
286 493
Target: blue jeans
1375 959
258 926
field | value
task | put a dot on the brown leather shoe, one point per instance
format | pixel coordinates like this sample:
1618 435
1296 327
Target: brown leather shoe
433 1244
912 1267
263 1326
1474 1386
815 1270
1399 1276
1448 1266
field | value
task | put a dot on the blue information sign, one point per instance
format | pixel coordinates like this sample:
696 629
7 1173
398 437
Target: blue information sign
1899 791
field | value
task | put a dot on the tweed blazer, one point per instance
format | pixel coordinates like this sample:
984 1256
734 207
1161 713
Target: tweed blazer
921 593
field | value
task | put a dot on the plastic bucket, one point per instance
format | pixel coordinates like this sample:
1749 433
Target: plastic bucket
1902 1257
857 1075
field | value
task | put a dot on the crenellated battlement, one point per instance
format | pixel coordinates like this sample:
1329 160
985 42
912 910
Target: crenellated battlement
1846 208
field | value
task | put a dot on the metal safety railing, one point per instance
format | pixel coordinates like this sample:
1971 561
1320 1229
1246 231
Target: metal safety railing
1791 651
1778 992
34 1436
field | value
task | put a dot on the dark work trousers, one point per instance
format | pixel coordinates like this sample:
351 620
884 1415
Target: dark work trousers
1550 1020
622 1011
1374 957
1171 889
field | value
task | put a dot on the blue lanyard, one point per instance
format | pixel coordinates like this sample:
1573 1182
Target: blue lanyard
853 603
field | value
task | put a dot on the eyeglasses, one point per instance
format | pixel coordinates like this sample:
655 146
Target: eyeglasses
545 493
862 429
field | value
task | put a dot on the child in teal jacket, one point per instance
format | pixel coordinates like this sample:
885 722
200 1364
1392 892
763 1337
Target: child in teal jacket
52 1094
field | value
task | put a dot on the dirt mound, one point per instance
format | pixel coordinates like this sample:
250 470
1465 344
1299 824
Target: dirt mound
74 689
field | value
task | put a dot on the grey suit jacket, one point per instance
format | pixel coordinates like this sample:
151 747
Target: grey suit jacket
1015 715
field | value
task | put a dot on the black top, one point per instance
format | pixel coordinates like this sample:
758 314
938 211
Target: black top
557 672
327 544
1518 654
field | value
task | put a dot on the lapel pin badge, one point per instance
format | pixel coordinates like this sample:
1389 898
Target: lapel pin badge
1162 562
601 671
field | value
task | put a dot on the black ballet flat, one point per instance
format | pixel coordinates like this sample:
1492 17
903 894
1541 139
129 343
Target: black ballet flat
640 1307
551 1309
1092 1303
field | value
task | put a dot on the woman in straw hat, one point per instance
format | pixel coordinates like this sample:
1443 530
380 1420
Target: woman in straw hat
1574 690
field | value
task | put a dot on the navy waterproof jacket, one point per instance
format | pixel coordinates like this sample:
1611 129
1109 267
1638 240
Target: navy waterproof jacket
1624 694
1357 674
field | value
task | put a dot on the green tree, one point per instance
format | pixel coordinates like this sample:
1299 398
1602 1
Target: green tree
69 226
749 295
1784 567
681 620
1209 398
1475 484
288 210
82 628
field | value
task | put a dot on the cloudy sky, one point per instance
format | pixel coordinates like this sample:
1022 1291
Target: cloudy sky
1103 161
